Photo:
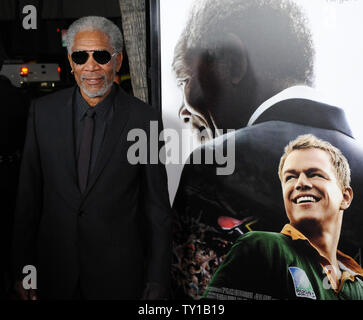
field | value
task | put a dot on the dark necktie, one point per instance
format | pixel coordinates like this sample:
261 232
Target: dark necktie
85 149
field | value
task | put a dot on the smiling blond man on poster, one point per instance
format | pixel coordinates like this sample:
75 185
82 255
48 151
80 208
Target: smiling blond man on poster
303 260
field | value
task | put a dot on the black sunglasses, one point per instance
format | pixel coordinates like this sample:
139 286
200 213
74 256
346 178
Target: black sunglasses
100 56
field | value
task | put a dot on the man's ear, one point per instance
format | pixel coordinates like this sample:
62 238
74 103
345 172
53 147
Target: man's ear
119 59
70 60
233 57
347 198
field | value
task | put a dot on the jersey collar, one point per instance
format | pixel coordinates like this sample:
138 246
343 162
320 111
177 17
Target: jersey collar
346 262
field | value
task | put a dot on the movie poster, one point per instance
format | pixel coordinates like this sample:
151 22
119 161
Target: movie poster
240 79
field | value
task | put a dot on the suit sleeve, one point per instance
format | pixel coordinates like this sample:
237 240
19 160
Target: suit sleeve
158 213
29 201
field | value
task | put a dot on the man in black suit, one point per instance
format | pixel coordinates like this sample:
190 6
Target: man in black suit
250 68
95 225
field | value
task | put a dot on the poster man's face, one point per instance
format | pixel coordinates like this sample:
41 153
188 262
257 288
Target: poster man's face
213 90
201 95
310 188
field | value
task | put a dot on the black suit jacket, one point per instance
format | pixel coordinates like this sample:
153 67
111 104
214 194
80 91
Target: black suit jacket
110 240
254 189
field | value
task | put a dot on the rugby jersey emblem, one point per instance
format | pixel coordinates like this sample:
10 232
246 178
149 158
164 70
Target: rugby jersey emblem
303 287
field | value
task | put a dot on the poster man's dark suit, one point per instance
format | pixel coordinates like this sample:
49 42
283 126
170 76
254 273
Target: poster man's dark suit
254 189
113 238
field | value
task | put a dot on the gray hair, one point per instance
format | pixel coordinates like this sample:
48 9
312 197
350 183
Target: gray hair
275 34
95 23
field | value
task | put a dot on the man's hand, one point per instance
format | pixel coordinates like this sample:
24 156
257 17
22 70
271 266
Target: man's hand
24 294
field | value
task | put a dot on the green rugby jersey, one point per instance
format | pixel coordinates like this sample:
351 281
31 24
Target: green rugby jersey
267 265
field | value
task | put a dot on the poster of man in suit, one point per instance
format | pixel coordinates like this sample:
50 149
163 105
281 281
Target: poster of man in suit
270 70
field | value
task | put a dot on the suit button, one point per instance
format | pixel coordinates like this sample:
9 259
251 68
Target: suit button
80 213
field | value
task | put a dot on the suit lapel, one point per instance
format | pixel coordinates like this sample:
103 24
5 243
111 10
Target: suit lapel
112 136
62 143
